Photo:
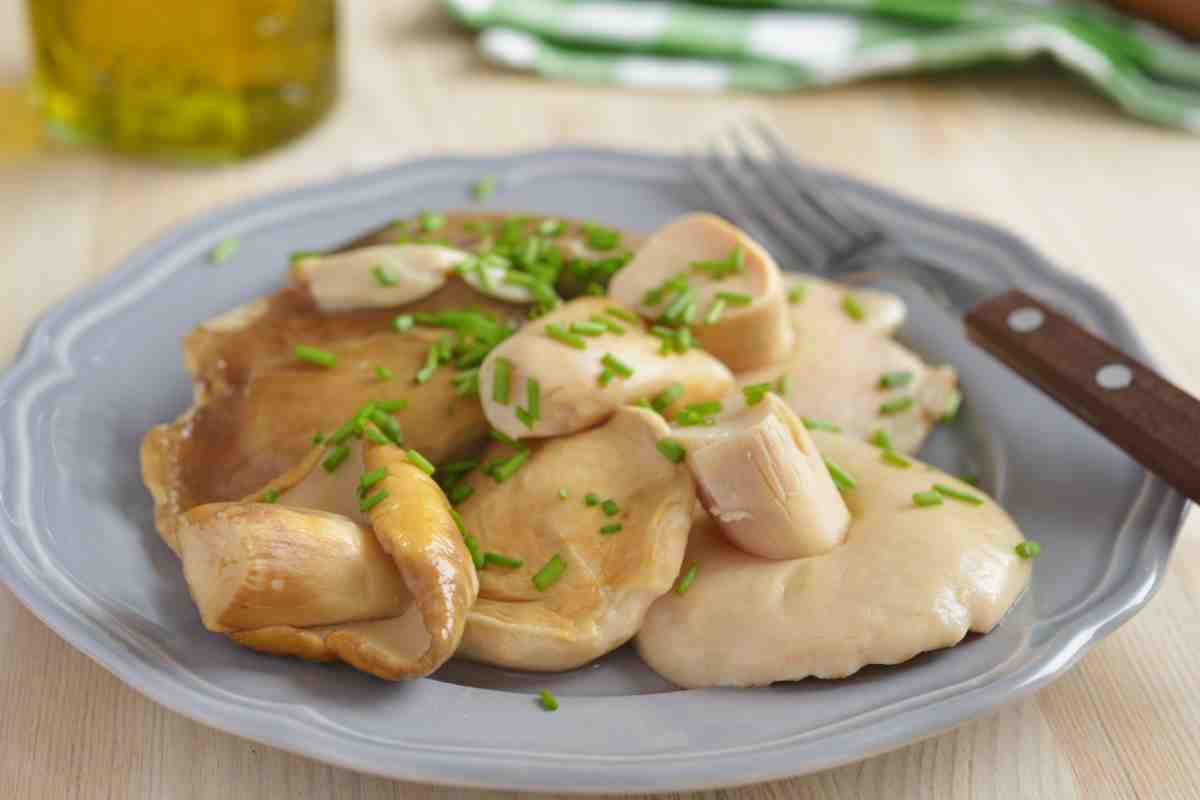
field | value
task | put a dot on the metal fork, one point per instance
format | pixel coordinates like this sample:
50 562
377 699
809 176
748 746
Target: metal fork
796 214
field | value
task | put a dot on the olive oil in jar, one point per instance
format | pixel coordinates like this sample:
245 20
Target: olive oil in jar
211 80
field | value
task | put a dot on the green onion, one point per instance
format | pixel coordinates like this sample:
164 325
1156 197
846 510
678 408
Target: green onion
318 438
374 500
611 528
459 492
402 323
735 298
383 373
224 251
382 275
819 425
678 307
371 478
683 340
895 459
432 222
587 328
270 496
608 324
955 494
388 425
376 436
503 470
894 380
1029 549
686 581
300 255
599 238
501 561
315 355
970 480
466 383
391 406
348 429
617 365
853 308
610 508
591 499
896 406
533 398
552 227
755 392
841 478
500 381
927 499
504 438
719 270
559 333
335 458
562 494
547 701
667 397
782 385
548 575
484 188
881 438
697 414
797 293
621 313
477 557
714 312
605 377
672 450
420 462
432 362
952 407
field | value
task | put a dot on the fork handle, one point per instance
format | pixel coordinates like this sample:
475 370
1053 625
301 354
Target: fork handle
1131 405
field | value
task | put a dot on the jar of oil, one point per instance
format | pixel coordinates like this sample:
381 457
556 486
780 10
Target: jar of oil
210 80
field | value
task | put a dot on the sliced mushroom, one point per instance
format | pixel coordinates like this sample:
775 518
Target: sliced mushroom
763 481
907 579
377 276
573 394
836 370
752 330
618 557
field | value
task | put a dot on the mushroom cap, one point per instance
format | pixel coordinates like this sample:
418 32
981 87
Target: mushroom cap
572 398
906 580
610 579
745 336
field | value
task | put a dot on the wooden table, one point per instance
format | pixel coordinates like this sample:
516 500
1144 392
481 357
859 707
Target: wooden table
1100 194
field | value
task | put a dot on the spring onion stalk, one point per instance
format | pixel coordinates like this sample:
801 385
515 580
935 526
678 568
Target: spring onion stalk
895 459
270 496
402 323
420 462
820 425
490 558
383 373
501 378
459 492
952 407
797 293
896 406
371 478
610 508
432 222
547 701
559 333
335 458
374 500
608 324
503 470
853 308
621 313
382 276
755 392
881 438
713 315
562 494
719 270
1028 550
667 397
549 574
315 355
617 365
591 499
841 478
956 494
587 328
686 581
611 528
735 298
895 380
672 450
927 499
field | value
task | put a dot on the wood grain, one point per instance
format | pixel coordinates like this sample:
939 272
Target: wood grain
1101 195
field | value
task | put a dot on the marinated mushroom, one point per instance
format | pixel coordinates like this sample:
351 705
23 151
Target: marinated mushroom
761 478
733 287
590 529
375 276
582 378
909 578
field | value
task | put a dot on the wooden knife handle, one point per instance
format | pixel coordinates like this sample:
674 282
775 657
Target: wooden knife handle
1135 408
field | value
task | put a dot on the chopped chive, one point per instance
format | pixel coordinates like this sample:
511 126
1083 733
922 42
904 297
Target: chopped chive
587 328
591 499
484 188
841 478
402 323
797 293
376 436
714 312
686 581
533 398
335 458
755 392
371 478
610 508
552 227
374 500
420 462
955 494
559 333
853 308
667 397
562 494
270 496
970 480
548 575
383 373
719 270
927 499
525 417
697 414
1028 549
503 470
894 380
614 527
896 406
458 468
388 425
315 355
318 438
300 255
735 298
782 385
459 492
348 429
895 459
224 250
433 360
608 324
432 222
501 561
881 438
382 275
677 308
683 340
392 406
617 365
605 377
621 313
477 557
819 425
672 450
504 438
599 238
952 407
547 701
500 381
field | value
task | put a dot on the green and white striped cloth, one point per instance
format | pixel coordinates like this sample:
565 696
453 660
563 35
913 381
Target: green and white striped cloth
780 45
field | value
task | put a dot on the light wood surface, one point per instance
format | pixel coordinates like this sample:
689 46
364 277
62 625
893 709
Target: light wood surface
1107 197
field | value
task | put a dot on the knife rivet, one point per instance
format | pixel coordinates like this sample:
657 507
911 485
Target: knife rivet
1114 376
1026 320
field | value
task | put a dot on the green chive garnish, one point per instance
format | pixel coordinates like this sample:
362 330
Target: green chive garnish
552 227
562 494
927 499
402 323
591 499
533 399
955 494
970 480
547 701
612 528
610 508
678 307
503 470
315 355
270 496
605 377
471 542
548 575
683 340
616 365
853 308
500 381
881 438
819 425
713 316
383 373
459 492
672 450
755 392
587 328
382 275
432 222
686 581
501 561
318 438
375 436
719 270
599 238
1029 549
735 298
894 380
371 478
841 478
420 462
300 255
388 425
697 414
781 385
335 458
374 500
952 406
896 406
391 406
667 397
224 250
621 313
895 459
797 293
484 188
559 333
608 324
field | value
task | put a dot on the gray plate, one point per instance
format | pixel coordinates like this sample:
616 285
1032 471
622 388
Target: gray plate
78 547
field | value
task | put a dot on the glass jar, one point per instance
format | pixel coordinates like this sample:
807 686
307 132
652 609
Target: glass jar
211 80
